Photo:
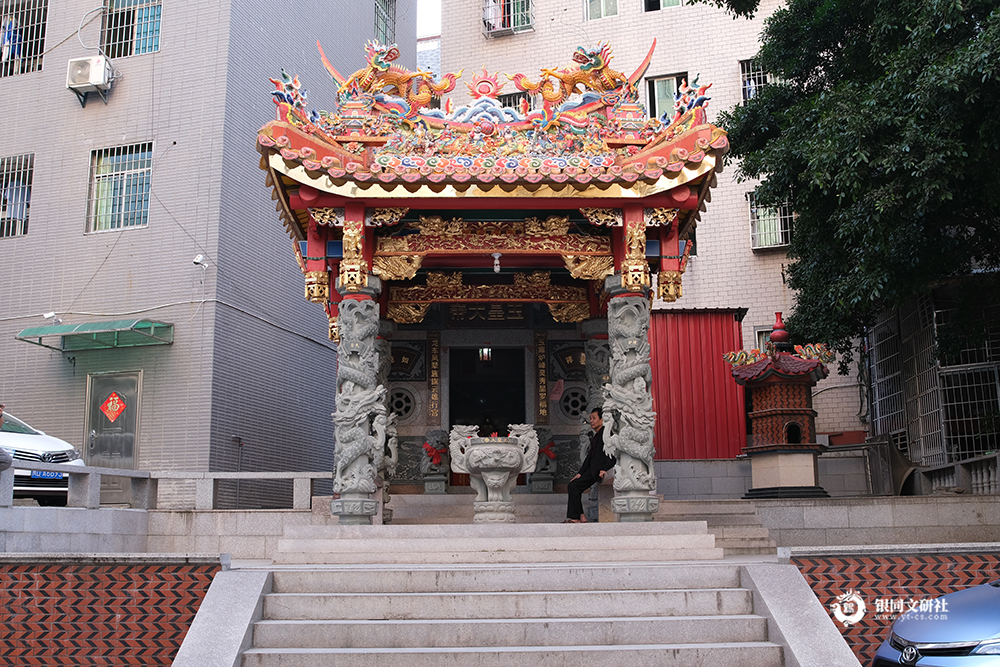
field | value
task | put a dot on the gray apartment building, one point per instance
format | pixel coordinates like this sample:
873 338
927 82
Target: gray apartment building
133 213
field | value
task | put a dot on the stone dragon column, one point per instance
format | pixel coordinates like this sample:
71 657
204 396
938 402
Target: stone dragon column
628 403
361 412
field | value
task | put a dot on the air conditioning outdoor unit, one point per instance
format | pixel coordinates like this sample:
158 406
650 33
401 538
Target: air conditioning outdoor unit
89 74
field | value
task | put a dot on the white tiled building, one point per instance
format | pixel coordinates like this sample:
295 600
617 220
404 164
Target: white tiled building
741 259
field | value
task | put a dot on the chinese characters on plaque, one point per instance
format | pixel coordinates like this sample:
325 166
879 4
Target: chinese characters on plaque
542 399
434 377
492 315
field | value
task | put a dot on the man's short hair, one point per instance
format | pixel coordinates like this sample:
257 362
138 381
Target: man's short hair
599 411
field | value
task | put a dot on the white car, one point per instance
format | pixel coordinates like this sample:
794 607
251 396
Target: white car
27 444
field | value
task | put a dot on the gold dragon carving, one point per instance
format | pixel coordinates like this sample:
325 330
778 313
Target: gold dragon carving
659 217
328 216
589 267
383 217
570 312
396 267
407 313
603 217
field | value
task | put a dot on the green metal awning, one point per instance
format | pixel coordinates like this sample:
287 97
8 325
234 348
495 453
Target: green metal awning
100 335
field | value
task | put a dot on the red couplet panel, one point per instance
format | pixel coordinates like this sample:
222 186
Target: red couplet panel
700 412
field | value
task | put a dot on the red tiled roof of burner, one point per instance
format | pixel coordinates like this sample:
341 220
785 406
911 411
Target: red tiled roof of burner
782 364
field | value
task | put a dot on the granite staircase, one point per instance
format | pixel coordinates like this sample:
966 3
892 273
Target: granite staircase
551 594
735 523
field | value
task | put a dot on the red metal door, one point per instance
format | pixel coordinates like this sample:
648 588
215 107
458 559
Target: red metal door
699 408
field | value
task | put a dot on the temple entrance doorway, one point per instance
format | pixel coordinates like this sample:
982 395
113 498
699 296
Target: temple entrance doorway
487 388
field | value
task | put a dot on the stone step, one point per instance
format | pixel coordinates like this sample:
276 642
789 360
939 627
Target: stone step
526 604
497 531
424 499
321 556
439 633
732 654
670 507
507 578
713 520
497 543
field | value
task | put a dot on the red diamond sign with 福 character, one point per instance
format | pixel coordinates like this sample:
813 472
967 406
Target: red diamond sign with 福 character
113 407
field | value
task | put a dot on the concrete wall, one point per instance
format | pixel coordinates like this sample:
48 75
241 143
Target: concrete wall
840 473
73 530
887 520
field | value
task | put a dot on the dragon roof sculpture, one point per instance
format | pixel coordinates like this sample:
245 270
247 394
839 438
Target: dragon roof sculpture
589 129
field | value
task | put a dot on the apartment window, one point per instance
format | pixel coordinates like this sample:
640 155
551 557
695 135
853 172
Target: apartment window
385 21
662 92
131 28
753 78
15 194
598 9
514 100
770 227
656 5
119 187
22 36
507 17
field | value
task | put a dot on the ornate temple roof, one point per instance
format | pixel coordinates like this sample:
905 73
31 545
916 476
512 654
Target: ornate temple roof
590 138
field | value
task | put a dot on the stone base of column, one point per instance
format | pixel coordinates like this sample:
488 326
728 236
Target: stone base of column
635 506
354 509
541 483
493 512
435 485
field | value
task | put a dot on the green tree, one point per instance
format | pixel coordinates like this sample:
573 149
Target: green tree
882 129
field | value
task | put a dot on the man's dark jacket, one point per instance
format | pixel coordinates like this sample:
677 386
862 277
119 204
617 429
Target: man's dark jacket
596 460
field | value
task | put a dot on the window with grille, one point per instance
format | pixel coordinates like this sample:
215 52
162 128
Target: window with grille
656 5
514 100
507 17
15 194
385 21
131 28
770 226
119 187
599 9
662 93
22 36
753 78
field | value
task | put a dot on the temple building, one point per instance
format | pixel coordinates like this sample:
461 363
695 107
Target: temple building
491 265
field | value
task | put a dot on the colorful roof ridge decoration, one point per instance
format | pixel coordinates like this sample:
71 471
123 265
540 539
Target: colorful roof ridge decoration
590 130
777 360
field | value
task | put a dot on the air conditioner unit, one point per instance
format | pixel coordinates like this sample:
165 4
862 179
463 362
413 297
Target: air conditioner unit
89 74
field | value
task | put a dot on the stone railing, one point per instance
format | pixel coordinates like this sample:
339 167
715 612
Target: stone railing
206 484
85 484
979 476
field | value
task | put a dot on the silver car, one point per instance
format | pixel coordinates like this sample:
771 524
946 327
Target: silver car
26 444
961 629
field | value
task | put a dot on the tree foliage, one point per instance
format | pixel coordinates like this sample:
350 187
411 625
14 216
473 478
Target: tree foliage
882 130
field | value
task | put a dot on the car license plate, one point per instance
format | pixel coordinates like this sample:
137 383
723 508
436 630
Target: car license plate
45 474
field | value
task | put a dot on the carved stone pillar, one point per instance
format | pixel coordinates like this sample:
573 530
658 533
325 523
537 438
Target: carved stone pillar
628 403
361 414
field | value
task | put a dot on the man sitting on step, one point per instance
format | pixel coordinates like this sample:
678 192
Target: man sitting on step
592 470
